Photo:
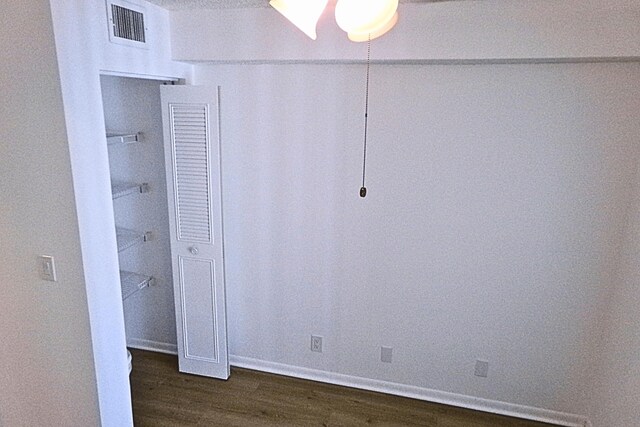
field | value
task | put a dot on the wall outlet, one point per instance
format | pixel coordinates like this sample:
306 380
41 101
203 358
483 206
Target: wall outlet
316 343
482 368
386 354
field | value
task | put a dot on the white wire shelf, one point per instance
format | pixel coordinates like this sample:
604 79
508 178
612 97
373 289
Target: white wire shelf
133 282
123 138
121 188
129 238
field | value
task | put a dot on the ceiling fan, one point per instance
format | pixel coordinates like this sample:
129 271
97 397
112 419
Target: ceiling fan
362 20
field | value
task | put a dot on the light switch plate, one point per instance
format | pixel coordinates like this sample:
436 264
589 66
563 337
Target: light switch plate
48 268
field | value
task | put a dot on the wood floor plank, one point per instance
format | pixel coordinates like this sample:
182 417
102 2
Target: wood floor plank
162 396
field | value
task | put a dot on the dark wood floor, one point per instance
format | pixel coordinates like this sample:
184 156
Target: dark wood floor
164 397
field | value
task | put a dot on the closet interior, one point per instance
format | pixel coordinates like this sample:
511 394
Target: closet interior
136 160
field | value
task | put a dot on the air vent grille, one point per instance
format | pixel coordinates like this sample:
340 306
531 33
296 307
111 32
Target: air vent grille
127 24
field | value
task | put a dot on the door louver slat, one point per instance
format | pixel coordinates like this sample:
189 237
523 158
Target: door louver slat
190 148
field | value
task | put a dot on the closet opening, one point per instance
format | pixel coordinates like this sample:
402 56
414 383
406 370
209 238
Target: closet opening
133 120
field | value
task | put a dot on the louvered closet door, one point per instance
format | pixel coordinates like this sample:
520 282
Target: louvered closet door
192 151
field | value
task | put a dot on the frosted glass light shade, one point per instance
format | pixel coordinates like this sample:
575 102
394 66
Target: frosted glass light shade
304 14
366 19
355 36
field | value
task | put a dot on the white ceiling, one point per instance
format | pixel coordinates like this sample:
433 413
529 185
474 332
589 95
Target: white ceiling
231 4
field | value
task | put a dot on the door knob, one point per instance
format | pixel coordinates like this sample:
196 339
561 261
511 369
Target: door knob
193 250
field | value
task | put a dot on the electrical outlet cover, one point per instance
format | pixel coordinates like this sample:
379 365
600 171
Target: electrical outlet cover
386 353
482 368
316 343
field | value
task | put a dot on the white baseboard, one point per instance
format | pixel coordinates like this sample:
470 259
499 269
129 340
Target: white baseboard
420 393
447 398
159 347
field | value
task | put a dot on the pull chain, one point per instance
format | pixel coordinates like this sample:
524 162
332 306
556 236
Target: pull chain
363 189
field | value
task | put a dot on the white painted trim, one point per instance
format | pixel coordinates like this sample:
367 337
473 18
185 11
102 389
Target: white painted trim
162 78
483 61
447 398
159 347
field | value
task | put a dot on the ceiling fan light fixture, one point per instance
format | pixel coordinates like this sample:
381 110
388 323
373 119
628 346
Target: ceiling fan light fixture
365 20
303 14
370 35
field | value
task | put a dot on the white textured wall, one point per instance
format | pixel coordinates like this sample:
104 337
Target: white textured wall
452 31
47 375
498 196
519 242
617 384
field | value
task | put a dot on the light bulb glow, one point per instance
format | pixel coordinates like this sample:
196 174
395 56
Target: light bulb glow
362 19
304 14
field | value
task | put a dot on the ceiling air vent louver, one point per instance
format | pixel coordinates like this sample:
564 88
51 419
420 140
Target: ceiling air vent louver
126 23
